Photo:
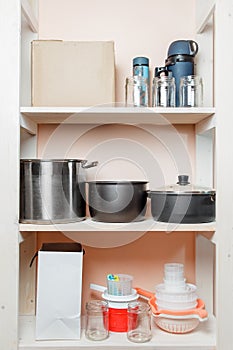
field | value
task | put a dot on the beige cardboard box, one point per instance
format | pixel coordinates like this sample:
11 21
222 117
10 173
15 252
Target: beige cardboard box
72 73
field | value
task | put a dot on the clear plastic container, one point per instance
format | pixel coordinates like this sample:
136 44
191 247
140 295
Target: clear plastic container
136 92
120 286
191 91
139 322
174 271
163 91
97 320
175 293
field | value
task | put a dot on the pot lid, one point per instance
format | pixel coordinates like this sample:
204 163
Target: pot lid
184 186
118 182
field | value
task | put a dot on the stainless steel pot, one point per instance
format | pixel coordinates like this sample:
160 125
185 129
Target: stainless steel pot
117 201
53 191
183 203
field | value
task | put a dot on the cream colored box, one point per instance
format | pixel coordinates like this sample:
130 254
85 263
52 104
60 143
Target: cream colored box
72 73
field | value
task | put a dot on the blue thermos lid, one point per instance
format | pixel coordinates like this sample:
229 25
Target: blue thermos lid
139 61
183 47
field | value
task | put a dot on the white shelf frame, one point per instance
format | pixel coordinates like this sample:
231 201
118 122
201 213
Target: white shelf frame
205 338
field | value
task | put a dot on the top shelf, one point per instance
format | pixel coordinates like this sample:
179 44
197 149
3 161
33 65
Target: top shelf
112 115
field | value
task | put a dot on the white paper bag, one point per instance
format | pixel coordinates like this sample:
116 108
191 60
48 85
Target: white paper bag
59 287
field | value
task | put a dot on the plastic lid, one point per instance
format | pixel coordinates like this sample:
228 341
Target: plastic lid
184 186
140 61
161 70
183 47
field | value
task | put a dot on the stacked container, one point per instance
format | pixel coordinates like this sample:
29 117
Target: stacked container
175 293
118 294
176 306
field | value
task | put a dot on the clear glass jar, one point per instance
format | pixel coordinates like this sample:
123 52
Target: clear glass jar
97 320
163 91
136 92
139 322
191 91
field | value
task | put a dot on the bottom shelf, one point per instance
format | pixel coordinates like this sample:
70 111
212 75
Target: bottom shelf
202 338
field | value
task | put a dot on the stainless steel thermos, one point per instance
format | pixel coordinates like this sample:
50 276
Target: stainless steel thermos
180 61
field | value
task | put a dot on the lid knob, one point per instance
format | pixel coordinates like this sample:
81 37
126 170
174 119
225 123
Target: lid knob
183 180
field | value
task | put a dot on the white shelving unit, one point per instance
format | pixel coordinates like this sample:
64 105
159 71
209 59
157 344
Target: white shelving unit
214 242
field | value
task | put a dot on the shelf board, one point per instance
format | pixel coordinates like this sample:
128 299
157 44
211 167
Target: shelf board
110 115
203 338
142 226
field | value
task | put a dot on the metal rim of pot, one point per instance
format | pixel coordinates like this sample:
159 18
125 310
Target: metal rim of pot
182 193
115 182
84 163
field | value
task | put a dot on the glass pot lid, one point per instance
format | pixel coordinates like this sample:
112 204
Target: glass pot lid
184 186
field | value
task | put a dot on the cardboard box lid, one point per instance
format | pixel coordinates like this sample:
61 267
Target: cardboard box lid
61 247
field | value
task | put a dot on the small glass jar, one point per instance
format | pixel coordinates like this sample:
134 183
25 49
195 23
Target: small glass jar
163 91
136 92
139 322
191 91
97 320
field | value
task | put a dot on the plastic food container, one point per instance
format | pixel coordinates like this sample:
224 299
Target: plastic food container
176 305
118 319
117 306
187 294
175 324
175 321
119 284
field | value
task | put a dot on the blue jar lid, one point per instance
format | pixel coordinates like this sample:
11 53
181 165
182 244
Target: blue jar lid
141 61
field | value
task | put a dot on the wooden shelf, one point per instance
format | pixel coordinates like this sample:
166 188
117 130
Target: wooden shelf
142 226
203 338
110 115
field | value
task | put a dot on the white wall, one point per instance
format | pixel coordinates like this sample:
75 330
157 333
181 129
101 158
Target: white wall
138 27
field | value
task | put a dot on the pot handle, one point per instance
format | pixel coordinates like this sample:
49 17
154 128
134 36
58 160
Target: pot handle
145 293
193 47
86 165
97 287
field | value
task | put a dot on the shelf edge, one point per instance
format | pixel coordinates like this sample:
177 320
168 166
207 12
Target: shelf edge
29 15
145 226
203 22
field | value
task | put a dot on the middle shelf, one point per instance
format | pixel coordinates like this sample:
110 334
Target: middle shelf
142 226
119 114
